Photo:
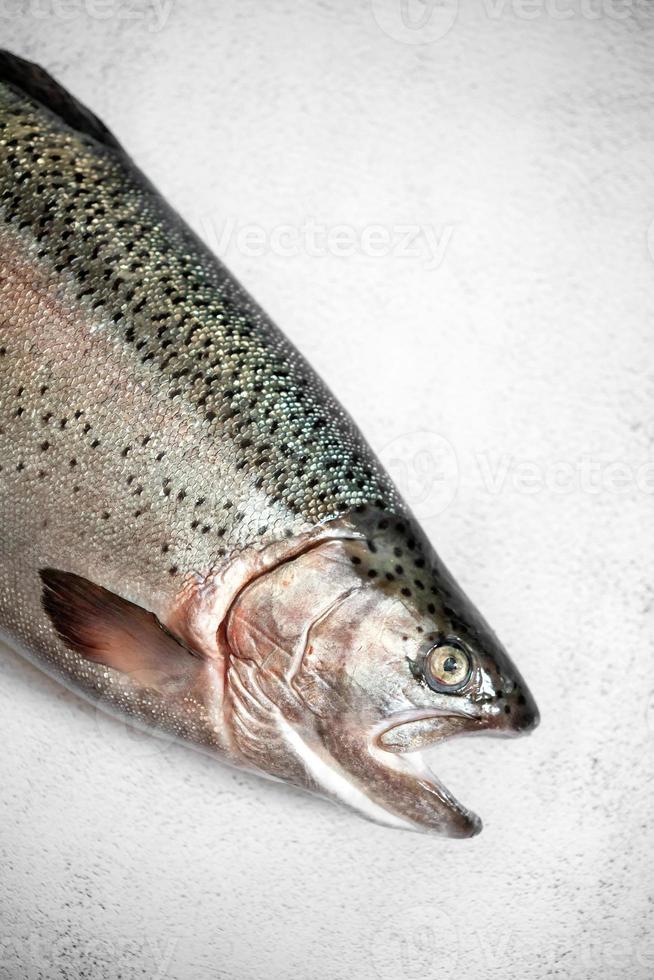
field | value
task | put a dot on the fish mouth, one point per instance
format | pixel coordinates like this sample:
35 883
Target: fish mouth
400 741
413 730
400 745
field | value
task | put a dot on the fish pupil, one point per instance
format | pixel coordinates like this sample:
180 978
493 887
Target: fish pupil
450 665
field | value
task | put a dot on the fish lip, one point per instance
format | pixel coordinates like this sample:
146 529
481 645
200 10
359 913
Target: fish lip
487 719
462 822
467 724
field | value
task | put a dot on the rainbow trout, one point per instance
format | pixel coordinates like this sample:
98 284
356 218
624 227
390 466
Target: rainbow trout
194 532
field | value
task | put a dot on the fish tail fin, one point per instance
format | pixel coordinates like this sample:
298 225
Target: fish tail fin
34 82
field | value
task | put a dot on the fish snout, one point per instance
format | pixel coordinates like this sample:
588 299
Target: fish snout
512 714
526 716
519 713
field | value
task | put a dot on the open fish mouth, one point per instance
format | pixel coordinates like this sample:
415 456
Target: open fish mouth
400 745
400 742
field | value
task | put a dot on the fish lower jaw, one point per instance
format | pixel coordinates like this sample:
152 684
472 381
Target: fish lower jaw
439 811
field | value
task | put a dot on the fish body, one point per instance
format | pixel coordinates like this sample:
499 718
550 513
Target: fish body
194 533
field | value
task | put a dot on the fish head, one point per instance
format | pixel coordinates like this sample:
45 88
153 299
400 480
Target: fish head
371 653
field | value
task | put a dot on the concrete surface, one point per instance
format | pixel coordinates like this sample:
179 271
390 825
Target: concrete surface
504 372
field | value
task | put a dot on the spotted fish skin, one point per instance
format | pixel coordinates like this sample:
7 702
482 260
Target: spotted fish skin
161 439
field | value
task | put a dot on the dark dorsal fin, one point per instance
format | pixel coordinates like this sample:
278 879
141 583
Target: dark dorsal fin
34 82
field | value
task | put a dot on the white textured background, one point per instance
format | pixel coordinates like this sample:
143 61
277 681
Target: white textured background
509 388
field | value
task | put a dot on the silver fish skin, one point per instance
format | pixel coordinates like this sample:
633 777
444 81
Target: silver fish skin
194 533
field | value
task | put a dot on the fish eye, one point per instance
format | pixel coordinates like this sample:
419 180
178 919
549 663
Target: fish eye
447 667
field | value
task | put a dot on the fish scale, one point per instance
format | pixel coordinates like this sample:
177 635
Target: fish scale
137 272
174 475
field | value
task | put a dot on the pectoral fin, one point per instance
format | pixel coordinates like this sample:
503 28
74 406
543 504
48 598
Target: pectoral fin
106 629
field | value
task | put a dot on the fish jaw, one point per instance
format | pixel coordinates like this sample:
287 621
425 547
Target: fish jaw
400 790
400 744
448 815
389 760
